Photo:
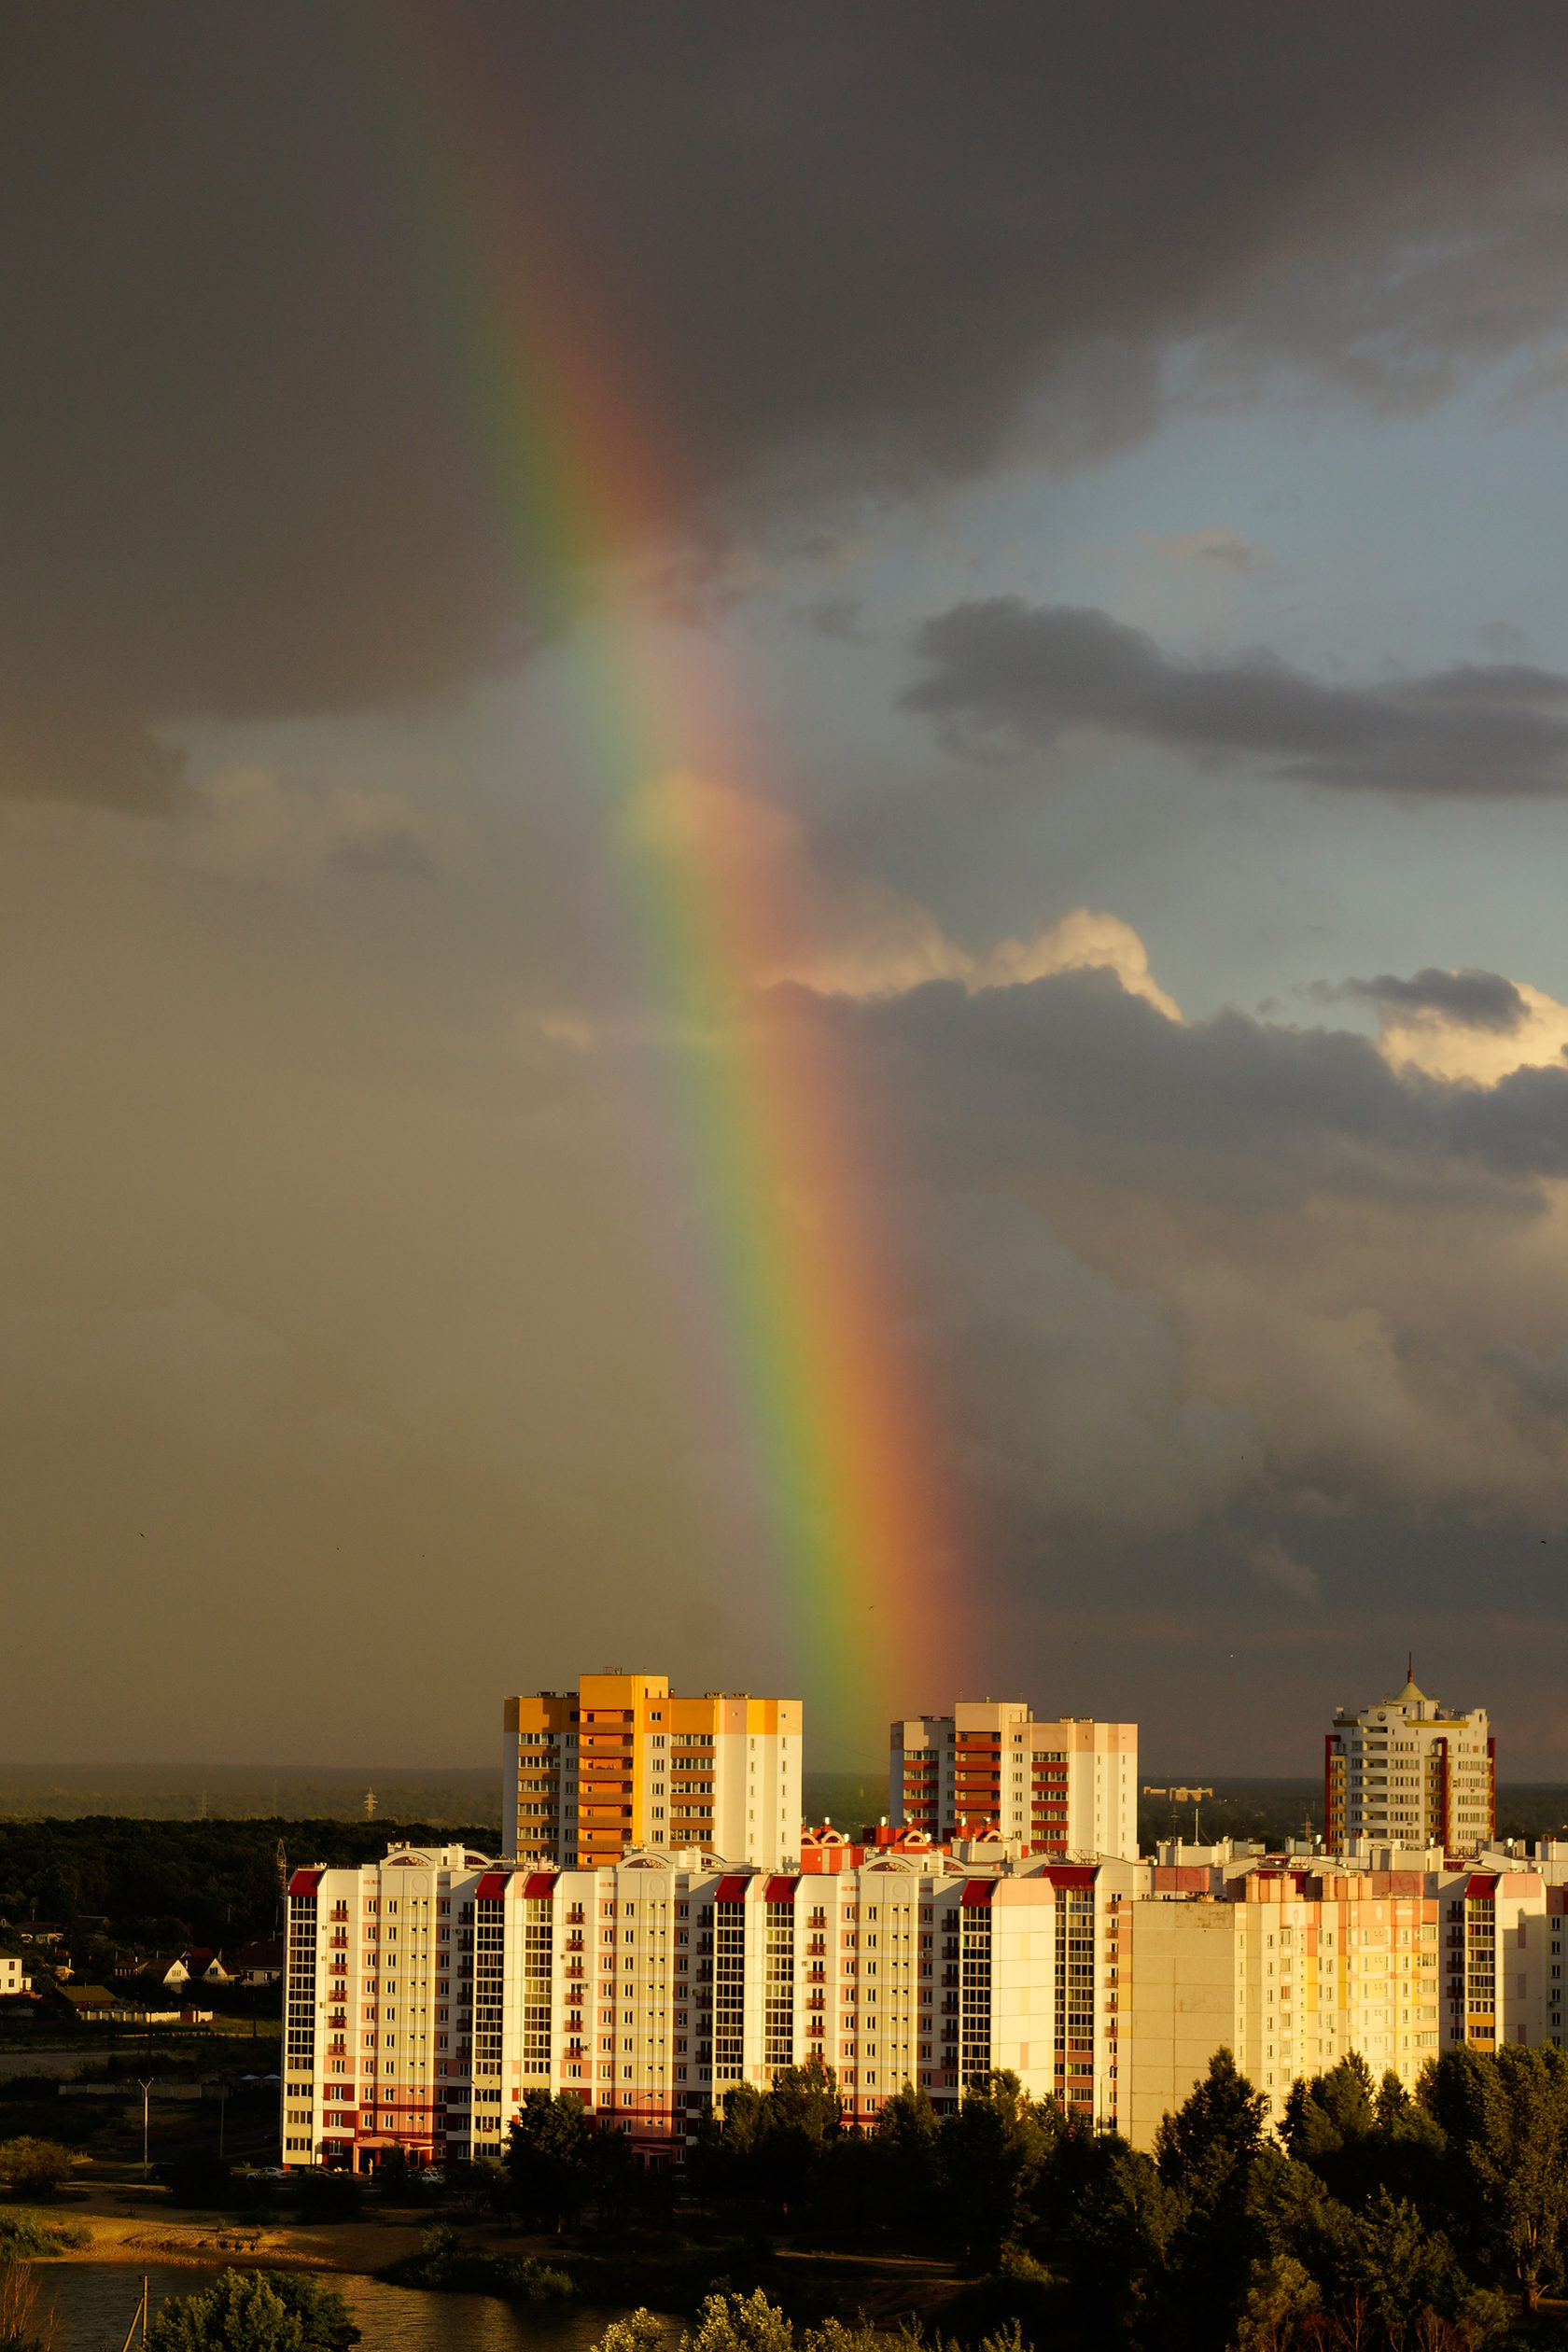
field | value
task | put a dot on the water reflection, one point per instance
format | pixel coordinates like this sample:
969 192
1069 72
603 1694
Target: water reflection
94 2302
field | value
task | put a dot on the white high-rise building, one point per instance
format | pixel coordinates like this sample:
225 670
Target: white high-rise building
430 1992
1411 1771
1068 1787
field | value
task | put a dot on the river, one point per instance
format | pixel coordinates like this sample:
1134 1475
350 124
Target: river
94 2302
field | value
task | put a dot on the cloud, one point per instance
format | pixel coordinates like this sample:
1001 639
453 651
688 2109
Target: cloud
249 464
1272 1565
1462 1025
247 823
1212 547
847 937
1252 1267
1468 1000
998 672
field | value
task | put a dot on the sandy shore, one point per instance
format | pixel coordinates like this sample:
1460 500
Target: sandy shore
149 2235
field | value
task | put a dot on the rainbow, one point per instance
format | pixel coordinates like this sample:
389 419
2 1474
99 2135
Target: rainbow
762 1131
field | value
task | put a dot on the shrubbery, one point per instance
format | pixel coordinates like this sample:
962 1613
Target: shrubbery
254 2311
32 2167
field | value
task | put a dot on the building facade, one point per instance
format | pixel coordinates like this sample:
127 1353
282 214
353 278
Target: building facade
1067 1789
1411 1770
622 1762
426 1994
1294 1969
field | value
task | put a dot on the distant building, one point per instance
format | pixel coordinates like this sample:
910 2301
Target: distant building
258 1963
1412 1773
168 1972
622 1761
13 1977
1063 1788
204 1965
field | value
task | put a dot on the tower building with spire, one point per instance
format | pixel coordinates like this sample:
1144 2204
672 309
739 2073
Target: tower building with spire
1411 1771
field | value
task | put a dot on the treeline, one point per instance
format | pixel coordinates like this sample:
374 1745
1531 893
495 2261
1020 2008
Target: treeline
1385 2220
163 1883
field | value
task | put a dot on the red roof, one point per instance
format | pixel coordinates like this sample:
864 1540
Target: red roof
492 1887
732 1889
541 1884
1079 1875
1479 1884
978 1891
781 1890
305 1881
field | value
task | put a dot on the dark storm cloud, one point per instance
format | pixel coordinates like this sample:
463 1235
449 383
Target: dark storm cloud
1000 1084
998 669
1472 1000
825 245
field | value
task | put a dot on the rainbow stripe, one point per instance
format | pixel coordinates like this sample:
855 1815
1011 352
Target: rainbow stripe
762 1131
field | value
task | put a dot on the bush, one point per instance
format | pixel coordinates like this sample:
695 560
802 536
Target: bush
201 2178
330 2196
444 2264
28 2236
32 2167
258 2311
325 2321
20 2329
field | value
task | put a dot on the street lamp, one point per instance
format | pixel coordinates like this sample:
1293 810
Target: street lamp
145 2087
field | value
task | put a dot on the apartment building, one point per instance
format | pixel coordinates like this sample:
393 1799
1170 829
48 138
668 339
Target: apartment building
622 1762
1410 1770
427 1992
1065 1789
1293 1969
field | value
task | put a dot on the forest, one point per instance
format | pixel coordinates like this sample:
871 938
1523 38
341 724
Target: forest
162 1884
1385 2222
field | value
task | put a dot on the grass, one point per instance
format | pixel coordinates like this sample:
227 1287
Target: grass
26 2237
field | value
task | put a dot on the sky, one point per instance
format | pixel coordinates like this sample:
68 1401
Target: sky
1082 493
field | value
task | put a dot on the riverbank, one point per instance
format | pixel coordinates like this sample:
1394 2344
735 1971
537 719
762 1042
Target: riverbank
174 2238
670 2274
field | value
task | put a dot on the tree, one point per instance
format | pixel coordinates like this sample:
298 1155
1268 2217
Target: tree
799 2123
325 2321
1216 2132
615 2176
1120 2218
240 2312
991 2154
549 2157
908 2162
1207 2152
1507 2119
